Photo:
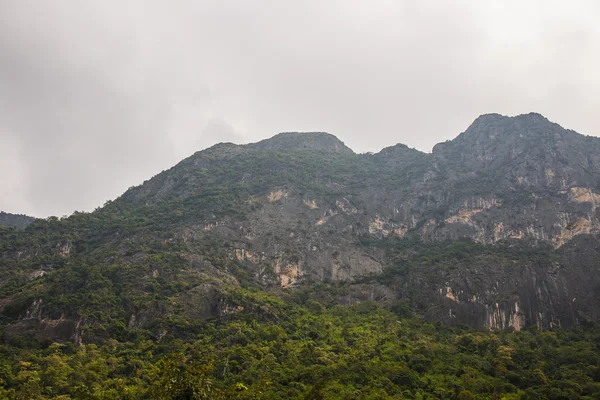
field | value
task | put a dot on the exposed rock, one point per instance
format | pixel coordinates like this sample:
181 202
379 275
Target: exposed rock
37 274
64 249
276 195
312 204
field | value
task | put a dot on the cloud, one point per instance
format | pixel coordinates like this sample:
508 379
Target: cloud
98 96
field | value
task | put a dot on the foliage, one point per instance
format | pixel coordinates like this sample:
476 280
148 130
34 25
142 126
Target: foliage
313 351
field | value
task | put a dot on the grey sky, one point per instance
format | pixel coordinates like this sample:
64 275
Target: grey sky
97 96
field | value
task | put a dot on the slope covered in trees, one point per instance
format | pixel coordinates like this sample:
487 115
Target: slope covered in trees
299 348
15 220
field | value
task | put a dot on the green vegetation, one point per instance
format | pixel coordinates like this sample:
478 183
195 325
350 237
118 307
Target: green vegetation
266 345
299 344
302 349
15 220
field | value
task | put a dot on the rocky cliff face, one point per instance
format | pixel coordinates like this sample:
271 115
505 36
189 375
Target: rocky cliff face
496 228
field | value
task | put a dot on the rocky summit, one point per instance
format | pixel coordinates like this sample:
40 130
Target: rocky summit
496 228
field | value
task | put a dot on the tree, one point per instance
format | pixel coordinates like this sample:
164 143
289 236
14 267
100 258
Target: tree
178 378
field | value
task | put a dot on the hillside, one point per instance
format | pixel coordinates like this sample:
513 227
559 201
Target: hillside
15 220
236 244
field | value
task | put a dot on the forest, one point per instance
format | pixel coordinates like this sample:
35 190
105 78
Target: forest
303 349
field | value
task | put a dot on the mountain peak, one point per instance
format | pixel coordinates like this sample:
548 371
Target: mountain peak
304 140
515 144
494 118
500 127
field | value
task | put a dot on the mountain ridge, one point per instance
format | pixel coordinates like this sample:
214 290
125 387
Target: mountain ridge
303 140
15 220
491 233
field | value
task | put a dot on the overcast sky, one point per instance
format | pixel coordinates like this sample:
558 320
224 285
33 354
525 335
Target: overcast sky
97 96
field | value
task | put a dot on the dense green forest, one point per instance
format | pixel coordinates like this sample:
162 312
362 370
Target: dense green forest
299 348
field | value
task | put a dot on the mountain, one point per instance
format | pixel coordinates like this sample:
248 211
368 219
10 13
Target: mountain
15 220
495 229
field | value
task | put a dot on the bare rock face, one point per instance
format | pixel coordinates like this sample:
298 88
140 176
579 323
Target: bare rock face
496 228
33 320
522 178
501 293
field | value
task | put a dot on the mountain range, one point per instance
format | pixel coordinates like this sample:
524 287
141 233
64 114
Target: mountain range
296 268
496 229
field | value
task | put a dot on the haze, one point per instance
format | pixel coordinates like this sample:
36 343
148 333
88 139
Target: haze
97 96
